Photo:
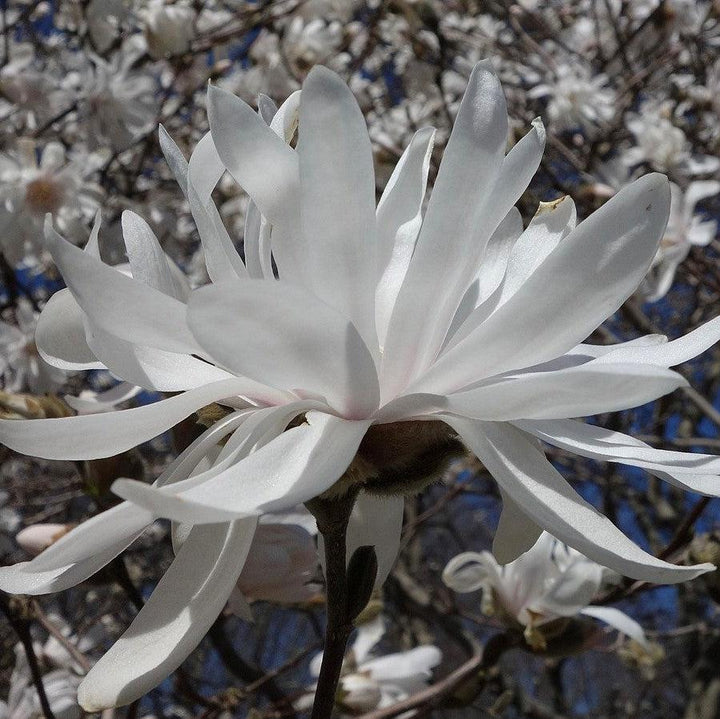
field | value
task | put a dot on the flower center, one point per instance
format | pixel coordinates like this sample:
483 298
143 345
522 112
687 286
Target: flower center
44 195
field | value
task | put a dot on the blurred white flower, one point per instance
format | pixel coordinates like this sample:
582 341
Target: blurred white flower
684 230
307 44
21 366
36 180
577 98
374 682
169 28
352 368
119 103
663 145
550 581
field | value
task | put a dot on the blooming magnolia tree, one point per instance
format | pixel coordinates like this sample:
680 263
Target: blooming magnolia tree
401 310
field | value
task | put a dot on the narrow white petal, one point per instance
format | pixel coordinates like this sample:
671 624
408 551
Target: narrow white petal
399 217
261 162
174 158
377 522
282 335
118 304
671 353
337 196
515 533
60 334
574 392
103 435
468 571
522 470
582 282
448 248
618 620
299 464
148 262
574 589
687 470
179 612
152 368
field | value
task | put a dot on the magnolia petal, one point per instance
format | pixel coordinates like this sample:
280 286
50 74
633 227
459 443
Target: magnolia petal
574 589
180 611
617 620
60 334
484 293
448 247
576 392
522 470
668 354
148 262
21 578
174 158
337 195
377 522
260 161
552 316
118 304
152 368
518 169
204 171
283 336
515 533
399 217
468 571
103 435
298 465
687 470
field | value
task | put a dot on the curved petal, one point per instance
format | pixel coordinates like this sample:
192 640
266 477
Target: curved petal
174 158
617 620
399 216
282 335
573 589
103 435
153 368
522 470
448 248
687 470
148 262
204 171
118 304
468 571
582 282
515 533
375 521
573 392
260 161
301 463
668 354
180 611
337 196
60 334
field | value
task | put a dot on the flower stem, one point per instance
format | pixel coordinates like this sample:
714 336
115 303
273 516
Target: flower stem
332 517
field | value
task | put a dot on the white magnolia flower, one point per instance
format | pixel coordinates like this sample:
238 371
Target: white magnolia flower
549 582
35 538
389 334
374 682
119 103
685 229
169 29
21 367
663 145
577 98
35 181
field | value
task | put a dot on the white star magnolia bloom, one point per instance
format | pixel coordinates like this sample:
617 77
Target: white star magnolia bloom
389 333
550 581
374 682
